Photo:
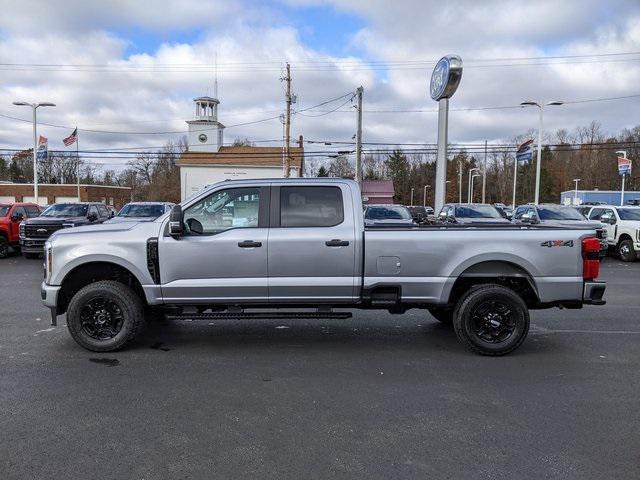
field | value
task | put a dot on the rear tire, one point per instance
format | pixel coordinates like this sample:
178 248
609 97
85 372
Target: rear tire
105 316
491 320
626 252
444 315
4 248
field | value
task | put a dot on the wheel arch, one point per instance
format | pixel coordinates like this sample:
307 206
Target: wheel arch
623 237
90 272
500 272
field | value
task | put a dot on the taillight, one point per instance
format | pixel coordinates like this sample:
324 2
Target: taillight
590 258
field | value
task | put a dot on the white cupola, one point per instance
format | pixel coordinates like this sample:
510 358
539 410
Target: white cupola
205 132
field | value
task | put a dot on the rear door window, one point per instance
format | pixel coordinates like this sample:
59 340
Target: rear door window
311 206
32 211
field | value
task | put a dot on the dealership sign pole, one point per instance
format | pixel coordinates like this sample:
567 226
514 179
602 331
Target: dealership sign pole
444 83
624 168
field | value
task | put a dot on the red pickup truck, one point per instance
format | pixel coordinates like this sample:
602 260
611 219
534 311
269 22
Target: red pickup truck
11 215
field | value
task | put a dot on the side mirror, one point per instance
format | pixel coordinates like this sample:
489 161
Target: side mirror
17 217
608 219
112 214
176 227
442 216
92 217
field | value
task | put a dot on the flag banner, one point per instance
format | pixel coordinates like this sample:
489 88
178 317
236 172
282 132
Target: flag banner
524 152
624 166
43 148
71 139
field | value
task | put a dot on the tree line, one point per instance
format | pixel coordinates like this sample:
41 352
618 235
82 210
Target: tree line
586 153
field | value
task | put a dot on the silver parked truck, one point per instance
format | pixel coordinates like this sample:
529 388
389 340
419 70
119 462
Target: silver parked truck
262 248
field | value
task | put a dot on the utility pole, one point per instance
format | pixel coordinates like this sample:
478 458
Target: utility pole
359 92
287 127
484 174
412 196
515 180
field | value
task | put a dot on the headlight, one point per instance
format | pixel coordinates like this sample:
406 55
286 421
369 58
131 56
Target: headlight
22 230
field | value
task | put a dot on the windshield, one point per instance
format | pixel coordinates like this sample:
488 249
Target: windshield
4 209
477 211
138 211
546 212
66 210
629 213
387 213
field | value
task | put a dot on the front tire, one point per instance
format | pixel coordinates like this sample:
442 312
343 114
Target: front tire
491 320
626 252
105 316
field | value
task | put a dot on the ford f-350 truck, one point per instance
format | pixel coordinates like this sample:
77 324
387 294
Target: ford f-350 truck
274 244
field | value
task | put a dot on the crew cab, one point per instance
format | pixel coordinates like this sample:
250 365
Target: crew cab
273 244
623 228
11 216
35 231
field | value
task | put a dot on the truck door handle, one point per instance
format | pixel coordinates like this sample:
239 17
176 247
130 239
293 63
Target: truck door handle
336 243
249 244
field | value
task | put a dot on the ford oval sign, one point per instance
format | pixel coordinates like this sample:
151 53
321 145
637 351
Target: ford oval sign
446 77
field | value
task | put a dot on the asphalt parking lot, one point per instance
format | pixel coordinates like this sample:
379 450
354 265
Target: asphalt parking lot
376 396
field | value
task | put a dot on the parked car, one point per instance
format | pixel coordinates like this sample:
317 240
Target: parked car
387 215
34 232
11 216
623 229
141 212
506 212
420 214
303 242
560 215
465 213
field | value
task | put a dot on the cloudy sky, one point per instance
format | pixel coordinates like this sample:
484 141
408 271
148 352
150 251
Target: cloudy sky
129 70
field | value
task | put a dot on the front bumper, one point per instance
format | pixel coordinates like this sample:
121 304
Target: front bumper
593 292
32 245
49 294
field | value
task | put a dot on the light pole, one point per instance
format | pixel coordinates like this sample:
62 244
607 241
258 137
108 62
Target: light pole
624 155
471 190
34 107
412 196
424 197
540 106
575 192
459 181
470 172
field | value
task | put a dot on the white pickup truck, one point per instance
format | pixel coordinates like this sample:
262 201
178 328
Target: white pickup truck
623 228
267 244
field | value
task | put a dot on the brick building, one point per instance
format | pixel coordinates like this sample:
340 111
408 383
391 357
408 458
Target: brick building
58 193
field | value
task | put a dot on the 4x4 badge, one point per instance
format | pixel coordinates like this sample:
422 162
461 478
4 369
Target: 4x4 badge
557 243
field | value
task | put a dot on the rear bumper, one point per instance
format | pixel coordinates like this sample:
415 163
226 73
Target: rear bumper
593 292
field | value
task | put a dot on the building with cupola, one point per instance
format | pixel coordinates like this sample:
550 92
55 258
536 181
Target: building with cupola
208 160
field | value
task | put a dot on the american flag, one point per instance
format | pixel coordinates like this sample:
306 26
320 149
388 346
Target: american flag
71 139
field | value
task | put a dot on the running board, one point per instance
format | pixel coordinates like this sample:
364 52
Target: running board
258 315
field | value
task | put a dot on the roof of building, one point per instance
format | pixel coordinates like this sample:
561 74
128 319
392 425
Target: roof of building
378 188
243 156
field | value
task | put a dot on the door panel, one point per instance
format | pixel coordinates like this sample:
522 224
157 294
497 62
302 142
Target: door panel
222 257
311 264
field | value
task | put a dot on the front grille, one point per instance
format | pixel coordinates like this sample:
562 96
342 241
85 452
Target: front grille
40 231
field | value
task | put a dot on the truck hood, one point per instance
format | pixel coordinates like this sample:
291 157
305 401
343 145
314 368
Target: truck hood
54 220
130 219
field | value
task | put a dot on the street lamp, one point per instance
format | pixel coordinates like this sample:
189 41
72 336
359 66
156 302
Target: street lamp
540 105
34 107
471 170
575 192
424 198
624 155
475 175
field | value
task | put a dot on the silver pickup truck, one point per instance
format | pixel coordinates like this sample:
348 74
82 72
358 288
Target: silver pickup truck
252 248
